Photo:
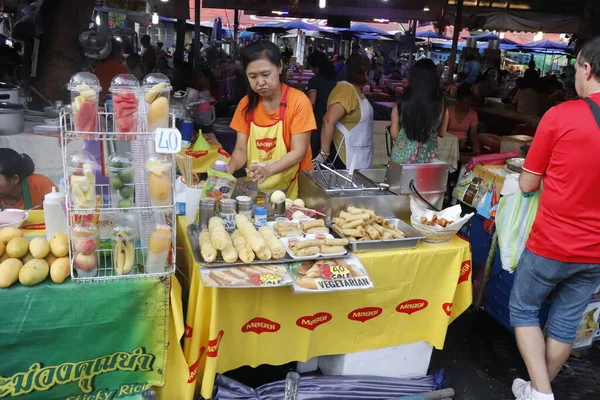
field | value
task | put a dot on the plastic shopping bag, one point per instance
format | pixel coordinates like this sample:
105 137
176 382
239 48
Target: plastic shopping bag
514 220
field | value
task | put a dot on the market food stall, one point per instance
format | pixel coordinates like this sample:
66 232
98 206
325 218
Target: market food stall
374 294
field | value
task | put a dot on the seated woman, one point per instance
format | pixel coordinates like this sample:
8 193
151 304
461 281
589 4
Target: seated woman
463 120
420 117
19 186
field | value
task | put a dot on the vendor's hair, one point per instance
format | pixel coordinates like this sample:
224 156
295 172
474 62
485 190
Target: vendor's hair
13 163
356 68
590 53
319 60
423 102
259 50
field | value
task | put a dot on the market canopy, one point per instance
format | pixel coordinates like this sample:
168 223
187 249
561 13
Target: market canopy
298 24
545 45
366 29
429 34
486 37
372 37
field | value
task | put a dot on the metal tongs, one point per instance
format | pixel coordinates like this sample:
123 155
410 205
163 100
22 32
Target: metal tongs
335 173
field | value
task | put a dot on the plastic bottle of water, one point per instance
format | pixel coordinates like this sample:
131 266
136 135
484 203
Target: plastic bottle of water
54 213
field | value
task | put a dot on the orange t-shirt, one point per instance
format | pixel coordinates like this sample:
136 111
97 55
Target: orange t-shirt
39 186
107 71
298 118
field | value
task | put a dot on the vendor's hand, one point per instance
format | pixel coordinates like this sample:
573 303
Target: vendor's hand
319 159
258 173
477 149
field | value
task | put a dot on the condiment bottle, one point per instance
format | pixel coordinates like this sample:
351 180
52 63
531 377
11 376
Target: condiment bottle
244 206
260 216
227 211
54 213
220 165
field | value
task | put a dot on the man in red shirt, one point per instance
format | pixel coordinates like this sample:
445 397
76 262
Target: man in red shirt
561 261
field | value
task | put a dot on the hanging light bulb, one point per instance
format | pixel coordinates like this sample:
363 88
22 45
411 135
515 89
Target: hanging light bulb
322 3
98 20
154 18
538 36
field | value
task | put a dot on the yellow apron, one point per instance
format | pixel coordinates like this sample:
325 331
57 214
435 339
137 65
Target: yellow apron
265 146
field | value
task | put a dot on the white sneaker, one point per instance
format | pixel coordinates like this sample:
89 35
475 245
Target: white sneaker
521 389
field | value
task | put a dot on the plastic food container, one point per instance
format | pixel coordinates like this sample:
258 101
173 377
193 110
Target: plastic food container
121 175
81 172
125 89
293 238
157 92
85 89
123 247
85 242
321 235
159 181
159 246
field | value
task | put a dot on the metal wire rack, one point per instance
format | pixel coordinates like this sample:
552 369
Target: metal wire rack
106 212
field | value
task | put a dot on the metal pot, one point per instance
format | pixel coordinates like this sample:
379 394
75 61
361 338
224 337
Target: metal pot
9 93
12 118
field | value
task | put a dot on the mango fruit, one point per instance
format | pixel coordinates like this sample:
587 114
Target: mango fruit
34 272
9 272
17 247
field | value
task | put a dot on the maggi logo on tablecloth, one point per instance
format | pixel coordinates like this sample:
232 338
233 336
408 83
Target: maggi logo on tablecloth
310 322
447 307
213 345
193 370
412 306
365 314
465 272
260 325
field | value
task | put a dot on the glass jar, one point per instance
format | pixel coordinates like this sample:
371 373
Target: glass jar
85 244
124 234
157 92
81 173
159 246
121 175
160 185
85 89
125 90
227 212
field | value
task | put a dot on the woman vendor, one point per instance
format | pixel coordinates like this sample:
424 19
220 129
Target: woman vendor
19 186
349 119
273 123
463 120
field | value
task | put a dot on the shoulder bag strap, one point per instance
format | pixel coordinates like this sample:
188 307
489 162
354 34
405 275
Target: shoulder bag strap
595 108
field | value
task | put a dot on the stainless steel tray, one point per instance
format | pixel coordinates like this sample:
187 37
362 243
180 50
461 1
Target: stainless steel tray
412 239
194 234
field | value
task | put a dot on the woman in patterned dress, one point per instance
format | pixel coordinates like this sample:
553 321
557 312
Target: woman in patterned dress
419 118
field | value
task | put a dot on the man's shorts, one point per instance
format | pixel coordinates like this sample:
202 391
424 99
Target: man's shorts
568 286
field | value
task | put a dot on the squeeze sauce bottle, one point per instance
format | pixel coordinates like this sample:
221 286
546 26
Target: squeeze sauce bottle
54 213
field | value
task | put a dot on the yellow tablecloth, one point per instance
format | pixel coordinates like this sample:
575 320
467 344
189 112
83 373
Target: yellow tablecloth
417 294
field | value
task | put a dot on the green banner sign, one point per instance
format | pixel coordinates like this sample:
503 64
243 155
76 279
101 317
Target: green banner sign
83 341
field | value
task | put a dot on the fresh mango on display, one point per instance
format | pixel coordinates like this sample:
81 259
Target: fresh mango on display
59 244
39 247
34 272
9 272
17 247
60 270
6 234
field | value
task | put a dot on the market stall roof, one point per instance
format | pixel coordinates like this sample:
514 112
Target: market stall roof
365 29
486 37
372 37
545 45
357 10
517 20
429 34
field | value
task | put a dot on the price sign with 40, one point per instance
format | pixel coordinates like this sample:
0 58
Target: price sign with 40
167 141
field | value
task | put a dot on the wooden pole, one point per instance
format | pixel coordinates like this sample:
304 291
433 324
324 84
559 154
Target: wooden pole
180 41
411 42
236 29
197 34
455 36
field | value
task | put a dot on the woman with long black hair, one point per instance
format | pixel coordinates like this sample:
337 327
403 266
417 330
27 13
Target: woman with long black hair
420 117
273 123
319 88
